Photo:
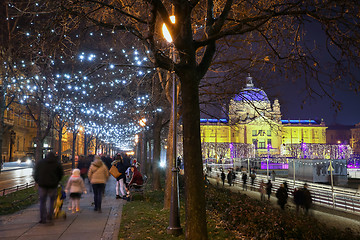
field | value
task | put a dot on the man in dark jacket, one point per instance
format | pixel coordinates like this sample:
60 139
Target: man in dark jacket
47 174
282 196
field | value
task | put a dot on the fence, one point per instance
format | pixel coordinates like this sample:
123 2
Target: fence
5 191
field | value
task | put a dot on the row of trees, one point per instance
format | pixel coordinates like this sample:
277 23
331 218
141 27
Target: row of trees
67 78
225 37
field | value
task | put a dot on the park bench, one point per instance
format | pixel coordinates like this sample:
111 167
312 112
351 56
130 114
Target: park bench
138 189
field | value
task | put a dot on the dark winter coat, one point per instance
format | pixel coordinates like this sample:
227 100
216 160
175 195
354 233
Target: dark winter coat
282 196
48 172
298 197
229 177
244 178
268 187
307 198
120 165
223 176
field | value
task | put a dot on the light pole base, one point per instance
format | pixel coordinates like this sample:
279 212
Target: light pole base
176 231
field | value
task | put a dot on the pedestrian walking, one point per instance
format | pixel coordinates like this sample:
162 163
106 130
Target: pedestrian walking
98 175
307 198
262 190
121 180
233 177
75 186
273 175
298 198
282 196
229 178
83 165
286 186
47 175
244 179
252 177
268 189
223 178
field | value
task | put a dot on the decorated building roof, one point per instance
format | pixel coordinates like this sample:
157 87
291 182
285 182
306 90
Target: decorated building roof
250 93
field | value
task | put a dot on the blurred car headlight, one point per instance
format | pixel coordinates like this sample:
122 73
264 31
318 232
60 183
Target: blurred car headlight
28 161
18 161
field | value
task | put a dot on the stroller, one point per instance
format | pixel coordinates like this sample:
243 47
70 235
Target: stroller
61 195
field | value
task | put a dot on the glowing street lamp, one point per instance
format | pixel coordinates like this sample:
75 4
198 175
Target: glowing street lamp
166 32
174 220
142 122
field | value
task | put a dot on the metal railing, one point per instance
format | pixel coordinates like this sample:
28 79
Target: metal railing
345 199
5 191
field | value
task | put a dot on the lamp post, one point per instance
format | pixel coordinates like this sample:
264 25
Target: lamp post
174 219
267 162
142 146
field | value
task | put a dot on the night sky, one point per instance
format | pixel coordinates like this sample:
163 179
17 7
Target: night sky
291 96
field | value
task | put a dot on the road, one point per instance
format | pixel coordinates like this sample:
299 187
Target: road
14 174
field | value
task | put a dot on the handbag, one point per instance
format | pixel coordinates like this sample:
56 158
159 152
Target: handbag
114 171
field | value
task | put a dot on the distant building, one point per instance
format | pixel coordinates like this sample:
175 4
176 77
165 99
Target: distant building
355 138
253 120
19 133
338 134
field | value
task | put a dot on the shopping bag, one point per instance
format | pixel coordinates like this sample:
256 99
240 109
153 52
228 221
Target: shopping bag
114 171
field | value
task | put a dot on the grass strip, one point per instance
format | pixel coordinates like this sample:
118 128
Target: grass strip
145 218
230 216
19 200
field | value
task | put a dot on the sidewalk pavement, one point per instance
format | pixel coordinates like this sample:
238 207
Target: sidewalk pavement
87 224
329 216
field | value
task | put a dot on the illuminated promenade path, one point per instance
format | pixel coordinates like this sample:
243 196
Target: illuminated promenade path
87 224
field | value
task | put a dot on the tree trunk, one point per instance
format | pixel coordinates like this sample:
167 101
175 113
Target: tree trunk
38 148
2 125
38 139
194 181
96 145
85 144
144 155
157 149
60 141
139 148
73 149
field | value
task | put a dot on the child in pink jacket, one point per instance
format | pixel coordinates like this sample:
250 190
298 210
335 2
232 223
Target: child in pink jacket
75 186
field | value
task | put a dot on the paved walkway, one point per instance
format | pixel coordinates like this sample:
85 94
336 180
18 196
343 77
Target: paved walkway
87 224
329 216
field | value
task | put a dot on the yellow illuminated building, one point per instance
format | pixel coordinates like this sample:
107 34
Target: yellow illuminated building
254 120
19 133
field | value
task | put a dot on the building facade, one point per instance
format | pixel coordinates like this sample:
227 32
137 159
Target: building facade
355 139
255 121
18 134
338 134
